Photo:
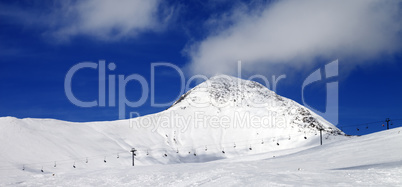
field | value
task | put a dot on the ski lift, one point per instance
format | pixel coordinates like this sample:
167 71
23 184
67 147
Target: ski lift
54 164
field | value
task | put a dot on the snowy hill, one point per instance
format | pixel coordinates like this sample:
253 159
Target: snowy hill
224 117
370 160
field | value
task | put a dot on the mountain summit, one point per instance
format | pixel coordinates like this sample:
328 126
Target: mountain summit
234 116
225 93
222 117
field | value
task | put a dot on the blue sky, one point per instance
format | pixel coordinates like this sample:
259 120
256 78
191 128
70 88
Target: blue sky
42 40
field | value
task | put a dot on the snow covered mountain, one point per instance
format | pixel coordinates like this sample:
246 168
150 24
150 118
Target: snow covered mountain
222 95
223 117
369 160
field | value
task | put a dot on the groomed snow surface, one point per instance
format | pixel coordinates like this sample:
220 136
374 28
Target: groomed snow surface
374 159
225 131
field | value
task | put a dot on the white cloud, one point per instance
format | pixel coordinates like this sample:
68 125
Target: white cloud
101 19
109 20
291 31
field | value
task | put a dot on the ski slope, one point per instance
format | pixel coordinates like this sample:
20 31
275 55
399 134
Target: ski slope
224 131
369 160
223 117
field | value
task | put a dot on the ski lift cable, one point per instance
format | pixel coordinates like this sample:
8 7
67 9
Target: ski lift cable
363 124
257 141
254 142
229 144
368 123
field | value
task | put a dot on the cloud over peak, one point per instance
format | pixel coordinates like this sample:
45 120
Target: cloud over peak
298 31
